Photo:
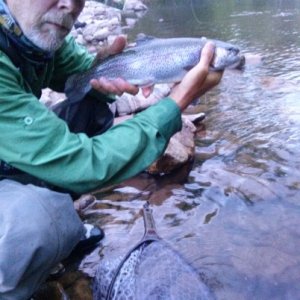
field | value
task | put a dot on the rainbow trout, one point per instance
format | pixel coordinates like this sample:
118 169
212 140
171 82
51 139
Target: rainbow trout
153 60
151 270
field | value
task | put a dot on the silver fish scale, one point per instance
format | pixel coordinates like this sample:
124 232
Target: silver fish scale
144 65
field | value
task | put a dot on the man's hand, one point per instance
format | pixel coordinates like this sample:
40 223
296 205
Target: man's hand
197 81
119 85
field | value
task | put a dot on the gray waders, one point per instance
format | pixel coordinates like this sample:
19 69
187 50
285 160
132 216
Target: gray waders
38 228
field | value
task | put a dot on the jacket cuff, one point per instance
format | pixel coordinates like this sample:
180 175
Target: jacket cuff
165 115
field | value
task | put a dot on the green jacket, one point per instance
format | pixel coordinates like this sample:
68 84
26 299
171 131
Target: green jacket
34 140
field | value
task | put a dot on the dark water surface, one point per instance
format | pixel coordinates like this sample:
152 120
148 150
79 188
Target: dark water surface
236 217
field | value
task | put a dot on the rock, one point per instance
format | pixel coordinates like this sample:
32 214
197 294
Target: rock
114 22
90 30
51 290
80 39
101 34
96 23
135 5
84 202
179 152
130 22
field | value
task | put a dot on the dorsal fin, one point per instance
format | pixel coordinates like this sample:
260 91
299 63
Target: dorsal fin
142 38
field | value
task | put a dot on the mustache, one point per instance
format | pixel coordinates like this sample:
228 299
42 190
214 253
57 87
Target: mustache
61 19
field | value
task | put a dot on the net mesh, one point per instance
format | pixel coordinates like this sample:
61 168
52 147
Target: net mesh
152 271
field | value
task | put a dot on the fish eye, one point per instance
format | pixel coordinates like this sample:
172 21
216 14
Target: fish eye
234 50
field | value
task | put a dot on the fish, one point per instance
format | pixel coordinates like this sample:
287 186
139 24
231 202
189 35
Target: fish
154 60
152 269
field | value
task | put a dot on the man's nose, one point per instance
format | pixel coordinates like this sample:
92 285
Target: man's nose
71 6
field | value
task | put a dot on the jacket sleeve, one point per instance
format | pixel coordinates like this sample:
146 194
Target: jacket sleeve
35 140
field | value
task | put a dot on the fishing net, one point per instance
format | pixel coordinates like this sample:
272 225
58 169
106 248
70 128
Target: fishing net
151 270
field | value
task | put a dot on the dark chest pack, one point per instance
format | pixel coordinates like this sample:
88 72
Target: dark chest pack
31 71
14 55
16 58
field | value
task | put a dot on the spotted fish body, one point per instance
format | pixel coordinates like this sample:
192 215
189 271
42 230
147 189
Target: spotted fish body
151 61
152 269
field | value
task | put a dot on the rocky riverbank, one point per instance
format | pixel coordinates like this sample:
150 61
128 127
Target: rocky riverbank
99 24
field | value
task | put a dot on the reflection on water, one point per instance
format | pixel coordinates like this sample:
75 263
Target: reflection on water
236 216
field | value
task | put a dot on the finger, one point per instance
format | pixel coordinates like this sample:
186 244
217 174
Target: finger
126 87
207 55
117 86
105 86
201 70
118 45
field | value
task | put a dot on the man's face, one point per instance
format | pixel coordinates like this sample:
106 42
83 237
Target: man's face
46 22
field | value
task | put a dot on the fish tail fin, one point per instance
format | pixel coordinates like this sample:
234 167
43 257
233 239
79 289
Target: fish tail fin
76 90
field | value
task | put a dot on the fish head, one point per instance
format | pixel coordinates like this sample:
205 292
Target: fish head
239 64
227 57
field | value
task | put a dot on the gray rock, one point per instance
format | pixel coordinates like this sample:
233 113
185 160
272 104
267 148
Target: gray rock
179 152
101 34
135 5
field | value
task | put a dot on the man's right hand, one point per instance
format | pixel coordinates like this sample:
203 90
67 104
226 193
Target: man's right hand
197 81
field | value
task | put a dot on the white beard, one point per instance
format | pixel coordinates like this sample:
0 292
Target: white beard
48 42
47 37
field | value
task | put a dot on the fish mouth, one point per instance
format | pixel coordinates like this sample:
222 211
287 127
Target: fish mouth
240 63
227 58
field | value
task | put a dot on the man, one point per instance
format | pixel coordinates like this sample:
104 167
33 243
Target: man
40 156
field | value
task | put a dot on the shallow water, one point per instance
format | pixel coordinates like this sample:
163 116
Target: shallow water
235 215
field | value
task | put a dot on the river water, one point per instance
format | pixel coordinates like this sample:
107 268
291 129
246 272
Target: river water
235 215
